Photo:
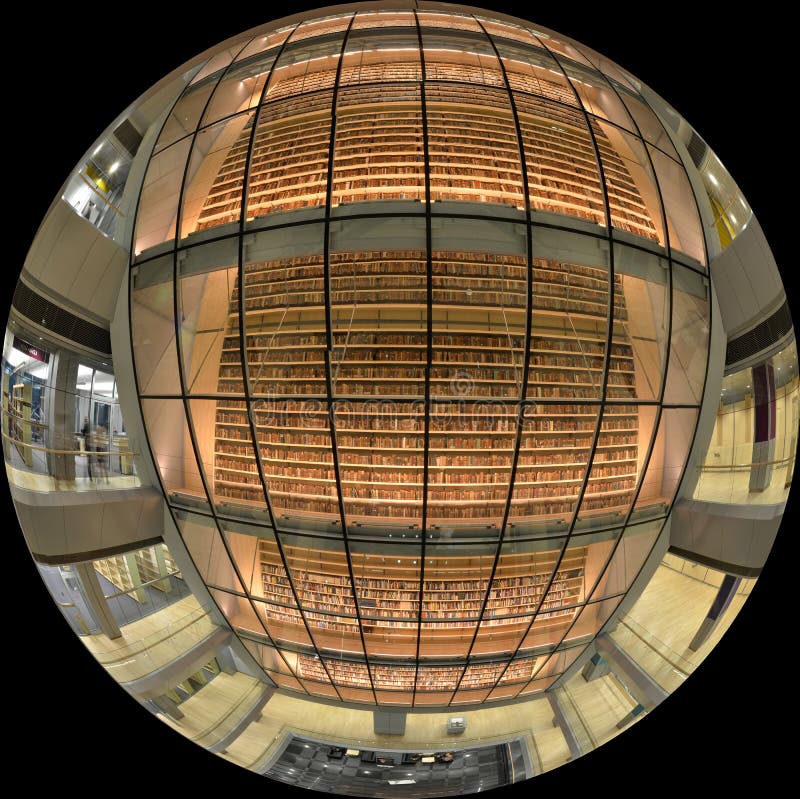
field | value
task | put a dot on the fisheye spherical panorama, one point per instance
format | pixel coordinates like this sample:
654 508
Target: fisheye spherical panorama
399 399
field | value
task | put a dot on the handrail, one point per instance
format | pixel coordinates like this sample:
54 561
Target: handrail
746 465
141 585
98 453
101 196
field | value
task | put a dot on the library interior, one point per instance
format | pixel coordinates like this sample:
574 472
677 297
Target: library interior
399 399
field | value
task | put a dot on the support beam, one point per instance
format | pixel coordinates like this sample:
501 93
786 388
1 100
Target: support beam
764 433
168 706
95 599
730 584
596 667
560 720
644 689
225 659
637 711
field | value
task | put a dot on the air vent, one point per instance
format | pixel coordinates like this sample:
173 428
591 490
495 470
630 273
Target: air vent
762 336
129 137
697 149
63 323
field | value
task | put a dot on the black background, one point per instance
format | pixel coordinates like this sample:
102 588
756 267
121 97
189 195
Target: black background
73 70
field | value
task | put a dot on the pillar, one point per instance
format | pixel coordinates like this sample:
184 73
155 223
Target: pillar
764 426
637 711
95 599
595 667
168 706
61 415
225 659
725 594
561 721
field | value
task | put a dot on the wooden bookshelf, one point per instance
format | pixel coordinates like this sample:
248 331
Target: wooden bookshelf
387 591
381 449
19 420
378 150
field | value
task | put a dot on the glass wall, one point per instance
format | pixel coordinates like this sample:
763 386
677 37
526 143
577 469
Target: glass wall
490 331
62 425
750 459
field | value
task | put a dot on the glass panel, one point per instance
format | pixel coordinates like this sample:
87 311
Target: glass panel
260 44
472 139
319 571
435 684
219 61
208 552
554 450
186 114
516 590
555 586
532 70
439 19
153 327
158 202
630 183
558 662
214 178
691 317
628 558
387 588
172 450
284 304
569 332
322 26
241 87
670 451
597 97
239 613
380 56
224 443
563 177
650 126
683 219
641 318
208 297
383 19
592 618
538 686
244 548
378 315
507 30
456 580
283 621
744 467
378 153
289 162
625 433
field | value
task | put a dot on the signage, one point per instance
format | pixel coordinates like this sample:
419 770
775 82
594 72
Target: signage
34 352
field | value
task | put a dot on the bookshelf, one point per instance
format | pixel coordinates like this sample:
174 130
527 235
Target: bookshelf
381 448
387 591
378 149
20 425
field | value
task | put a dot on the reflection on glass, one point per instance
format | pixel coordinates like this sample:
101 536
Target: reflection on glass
750 459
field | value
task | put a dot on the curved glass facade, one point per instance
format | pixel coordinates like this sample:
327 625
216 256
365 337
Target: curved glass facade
420 318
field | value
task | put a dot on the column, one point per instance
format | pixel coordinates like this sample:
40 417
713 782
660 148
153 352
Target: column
561 721
225 660
727 591
637 711
595 667
61 415
764 426
95 599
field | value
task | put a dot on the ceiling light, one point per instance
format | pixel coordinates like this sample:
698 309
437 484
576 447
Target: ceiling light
113 168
